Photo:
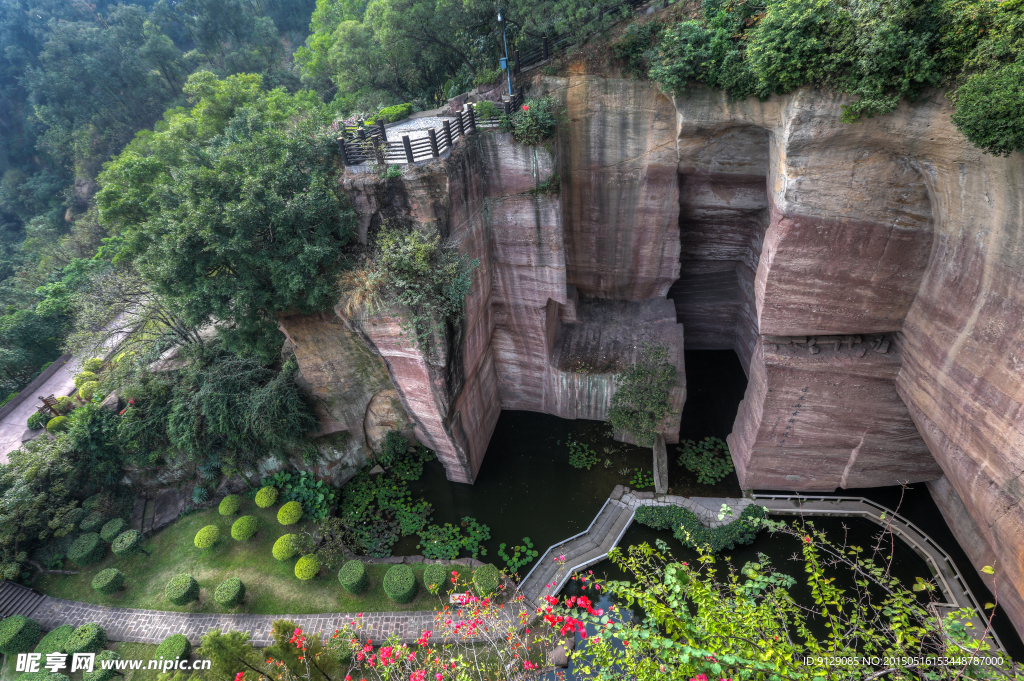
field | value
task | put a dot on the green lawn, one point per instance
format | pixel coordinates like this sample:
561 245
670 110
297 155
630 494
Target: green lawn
271 585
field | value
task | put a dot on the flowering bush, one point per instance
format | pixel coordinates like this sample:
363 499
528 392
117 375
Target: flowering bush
534 122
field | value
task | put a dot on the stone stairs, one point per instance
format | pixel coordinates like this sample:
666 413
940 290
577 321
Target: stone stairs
16 599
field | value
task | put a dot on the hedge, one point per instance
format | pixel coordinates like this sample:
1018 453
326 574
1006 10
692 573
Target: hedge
113 528
55 641
206 537
88 389
486 578
290 513
436 577
87 549
400 583
128 543
230 593
687 528
92 504
98 673
88 638
37 421
108 581
244 528
352 576
58 424
266 497
18 634
230 504
92 522
182 589
393 114
44 675
284 547
307 567
174 647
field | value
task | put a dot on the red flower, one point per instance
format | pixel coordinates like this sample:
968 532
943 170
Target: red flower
525 108
239 676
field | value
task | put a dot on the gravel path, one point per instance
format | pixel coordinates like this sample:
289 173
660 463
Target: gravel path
416 128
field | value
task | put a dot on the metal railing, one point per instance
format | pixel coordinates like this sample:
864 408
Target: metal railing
566 541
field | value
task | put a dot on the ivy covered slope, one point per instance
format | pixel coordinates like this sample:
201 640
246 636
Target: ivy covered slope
881 52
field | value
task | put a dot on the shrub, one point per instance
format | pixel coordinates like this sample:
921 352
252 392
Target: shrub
84 377
88 638
92 522
18 634
687 528
990 109
635 44
37 421
533 123
44 675
709 459
290 513
284 547
487 110
307 567
400 583
315 496
244 528
207 537
98 673
642 397
112 529
108 581
65 404
266 497
182 589
174 647
94 365
87 549
55 641
352 576
487 77
486 579
229 505
58 424
128 543
436 578
92 504
392 114
230 593
88 389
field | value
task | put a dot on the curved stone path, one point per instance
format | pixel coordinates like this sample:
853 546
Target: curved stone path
548 575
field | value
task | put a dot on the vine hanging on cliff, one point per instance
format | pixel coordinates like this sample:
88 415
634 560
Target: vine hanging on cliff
643 398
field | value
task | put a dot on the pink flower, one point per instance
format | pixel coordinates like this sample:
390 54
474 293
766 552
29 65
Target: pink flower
239 676
525 108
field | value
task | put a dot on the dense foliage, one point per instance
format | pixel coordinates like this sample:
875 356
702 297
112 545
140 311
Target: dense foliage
230 592
182 589
18 634
486 579
284 547
307 567
445 542
128 543
244 528
174 647
642 396
880 52
352 577
533 123
436 578
581 455
266 497
289 513
316 497
400 583
112 529
688 529
708 458
87 549
55 640
108 581
229 505
206 537
88 638
521 555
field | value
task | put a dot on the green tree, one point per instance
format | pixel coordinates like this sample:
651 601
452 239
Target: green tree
231 208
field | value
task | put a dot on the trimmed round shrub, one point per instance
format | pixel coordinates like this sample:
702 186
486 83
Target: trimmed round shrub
18 634
400 583
58 424
207 537
352 576
65 404
88 389
128 543
182 589
87 549
229 505
290 513
112 528
284 547
88 638
486 578
436 577
94 365
92 503
108 581
74 516
37 421
244 528
230 592
307 567
266 497
92 523
174 647
98 673
84 377
44 675
54 641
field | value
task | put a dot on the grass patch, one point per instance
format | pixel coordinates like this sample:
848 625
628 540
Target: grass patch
271 585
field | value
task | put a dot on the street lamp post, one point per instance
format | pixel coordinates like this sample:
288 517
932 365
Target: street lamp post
504 38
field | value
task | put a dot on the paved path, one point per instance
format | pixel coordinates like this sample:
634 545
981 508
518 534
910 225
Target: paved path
14 426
